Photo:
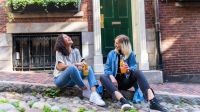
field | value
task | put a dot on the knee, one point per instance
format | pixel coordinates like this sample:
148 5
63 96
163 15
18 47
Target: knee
72 68
138 73
103 78
90 69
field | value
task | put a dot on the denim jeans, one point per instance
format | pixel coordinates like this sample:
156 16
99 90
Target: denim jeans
72 76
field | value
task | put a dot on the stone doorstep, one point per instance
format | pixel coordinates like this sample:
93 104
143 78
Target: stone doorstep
152 76
22 87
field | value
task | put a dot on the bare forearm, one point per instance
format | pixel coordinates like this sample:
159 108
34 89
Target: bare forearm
62 66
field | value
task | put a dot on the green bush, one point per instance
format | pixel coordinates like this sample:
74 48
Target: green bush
21 4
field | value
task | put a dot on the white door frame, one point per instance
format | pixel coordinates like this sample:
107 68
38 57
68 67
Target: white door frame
139 35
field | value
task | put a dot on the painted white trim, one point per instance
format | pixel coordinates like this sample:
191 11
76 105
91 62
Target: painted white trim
47 27
139 33
98 58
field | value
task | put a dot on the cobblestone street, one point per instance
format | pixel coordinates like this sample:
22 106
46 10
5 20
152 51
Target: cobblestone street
14 102
172 95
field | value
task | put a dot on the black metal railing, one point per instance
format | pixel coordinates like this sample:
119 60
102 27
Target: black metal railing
36 51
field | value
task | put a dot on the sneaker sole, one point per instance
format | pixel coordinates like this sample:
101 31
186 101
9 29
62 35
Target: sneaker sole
126 108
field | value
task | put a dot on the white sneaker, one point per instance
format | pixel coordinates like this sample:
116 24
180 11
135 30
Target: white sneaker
86 93
95 98
126 107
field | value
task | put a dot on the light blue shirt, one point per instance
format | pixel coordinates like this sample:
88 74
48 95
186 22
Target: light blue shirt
74 57
111 65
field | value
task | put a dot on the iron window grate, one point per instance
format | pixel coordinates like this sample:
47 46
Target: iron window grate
36 51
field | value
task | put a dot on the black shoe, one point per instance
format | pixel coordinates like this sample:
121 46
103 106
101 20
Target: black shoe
155 105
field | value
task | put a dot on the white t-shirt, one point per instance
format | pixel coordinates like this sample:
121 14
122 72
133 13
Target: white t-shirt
74 57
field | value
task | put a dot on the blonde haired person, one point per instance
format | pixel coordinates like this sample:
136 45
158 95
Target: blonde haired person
122 77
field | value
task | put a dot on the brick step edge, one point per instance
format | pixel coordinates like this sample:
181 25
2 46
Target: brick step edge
23 87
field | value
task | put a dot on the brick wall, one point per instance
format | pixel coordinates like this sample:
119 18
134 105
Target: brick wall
180 27
86 7
149 14
180 36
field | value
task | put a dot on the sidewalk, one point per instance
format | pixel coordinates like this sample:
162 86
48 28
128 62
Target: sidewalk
170 92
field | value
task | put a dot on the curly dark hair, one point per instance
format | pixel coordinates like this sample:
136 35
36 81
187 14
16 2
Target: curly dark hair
60 45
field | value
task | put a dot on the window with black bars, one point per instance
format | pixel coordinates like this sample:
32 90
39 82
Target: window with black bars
36 51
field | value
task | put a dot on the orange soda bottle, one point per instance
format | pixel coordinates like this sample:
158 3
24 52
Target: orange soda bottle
123 69
85 69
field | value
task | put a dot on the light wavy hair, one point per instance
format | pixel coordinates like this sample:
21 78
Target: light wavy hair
125 45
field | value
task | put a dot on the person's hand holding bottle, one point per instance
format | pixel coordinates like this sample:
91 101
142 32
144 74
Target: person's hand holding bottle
126 67
85 68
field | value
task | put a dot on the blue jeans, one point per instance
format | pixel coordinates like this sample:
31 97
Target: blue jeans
72 76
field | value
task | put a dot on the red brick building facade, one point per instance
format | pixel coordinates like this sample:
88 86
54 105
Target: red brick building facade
180 35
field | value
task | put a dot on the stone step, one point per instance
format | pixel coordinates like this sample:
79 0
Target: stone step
23 87
152 76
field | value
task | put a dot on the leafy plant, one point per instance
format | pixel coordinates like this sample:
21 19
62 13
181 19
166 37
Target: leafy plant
21 109
2 111
81 109
52 92
34 93
55 111
133 110
15 104
46 109
3 101
65 110
21 4
6 8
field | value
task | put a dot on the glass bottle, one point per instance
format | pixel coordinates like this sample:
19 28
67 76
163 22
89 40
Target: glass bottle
85 68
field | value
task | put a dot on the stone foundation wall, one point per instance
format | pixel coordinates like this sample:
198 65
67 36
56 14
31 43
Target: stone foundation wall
5 51
151 47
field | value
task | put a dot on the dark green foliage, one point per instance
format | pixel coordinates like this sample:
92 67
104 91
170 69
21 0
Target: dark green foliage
16 4
52 92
